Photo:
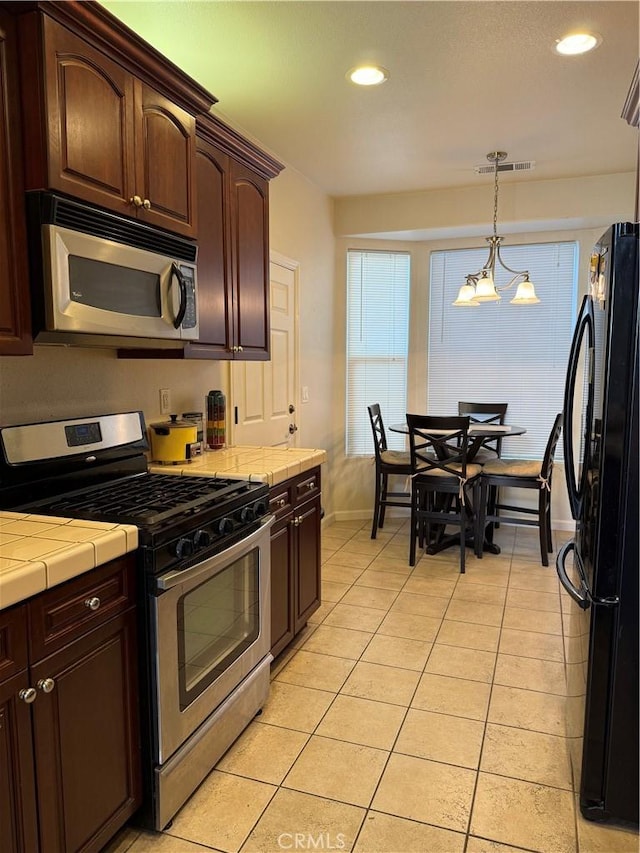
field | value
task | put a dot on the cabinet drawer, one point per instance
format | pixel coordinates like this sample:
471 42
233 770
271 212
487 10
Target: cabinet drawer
13 641
68 611
307 485
280 499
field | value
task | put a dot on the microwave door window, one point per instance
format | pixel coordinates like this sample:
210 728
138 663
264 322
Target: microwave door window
114 288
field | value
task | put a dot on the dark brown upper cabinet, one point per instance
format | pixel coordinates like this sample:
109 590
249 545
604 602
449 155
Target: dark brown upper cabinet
232 177
15 316
233 257
110 121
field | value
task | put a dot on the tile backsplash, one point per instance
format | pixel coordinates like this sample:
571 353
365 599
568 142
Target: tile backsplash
67 382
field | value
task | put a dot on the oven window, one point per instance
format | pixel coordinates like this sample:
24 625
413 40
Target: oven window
114 288
217 622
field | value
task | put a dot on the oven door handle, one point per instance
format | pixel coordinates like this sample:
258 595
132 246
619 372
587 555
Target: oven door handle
213 564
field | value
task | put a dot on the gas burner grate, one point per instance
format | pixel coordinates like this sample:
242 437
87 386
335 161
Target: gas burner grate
146 499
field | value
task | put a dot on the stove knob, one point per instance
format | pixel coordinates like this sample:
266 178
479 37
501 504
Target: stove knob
224 526
259 508
247 514
201 539
184 548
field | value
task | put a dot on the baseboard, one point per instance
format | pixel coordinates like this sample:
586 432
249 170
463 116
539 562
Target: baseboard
564 525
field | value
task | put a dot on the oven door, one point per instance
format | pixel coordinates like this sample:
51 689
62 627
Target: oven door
211 628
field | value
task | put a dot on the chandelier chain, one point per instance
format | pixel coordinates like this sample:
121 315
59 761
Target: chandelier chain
495 198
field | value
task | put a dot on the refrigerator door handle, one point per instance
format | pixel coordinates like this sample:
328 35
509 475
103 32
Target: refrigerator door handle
584 331
581 596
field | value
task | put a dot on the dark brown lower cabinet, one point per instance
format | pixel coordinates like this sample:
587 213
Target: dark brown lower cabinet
295 556
18 815
69 731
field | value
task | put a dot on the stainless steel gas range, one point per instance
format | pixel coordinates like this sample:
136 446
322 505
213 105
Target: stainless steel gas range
204 575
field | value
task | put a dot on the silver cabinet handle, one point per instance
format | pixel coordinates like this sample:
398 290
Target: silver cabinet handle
296 521
240 349
311 485
92 603
281 502
146 204
28 695
46 685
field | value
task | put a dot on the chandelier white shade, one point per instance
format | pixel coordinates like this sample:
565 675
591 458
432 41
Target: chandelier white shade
481 286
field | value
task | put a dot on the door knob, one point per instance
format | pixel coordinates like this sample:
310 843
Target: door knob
292 408
146 204
136 201
292 428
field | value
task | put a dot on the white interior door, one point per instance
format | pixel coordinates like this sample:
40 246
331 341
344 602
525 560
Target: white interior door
264 392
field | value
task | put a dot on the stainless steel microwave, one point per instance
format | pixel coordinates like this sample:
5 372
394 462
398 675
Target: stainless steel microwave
103 279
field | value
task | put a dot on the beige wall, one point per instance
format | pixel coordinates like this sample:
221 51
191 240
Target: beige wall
301 228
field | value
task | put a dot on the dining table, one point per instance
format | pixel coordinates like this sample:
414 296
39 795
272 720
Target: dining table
477 434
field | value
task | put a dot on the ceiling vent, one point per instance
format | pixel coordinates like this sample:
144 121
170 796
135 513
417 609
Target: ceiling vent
520 166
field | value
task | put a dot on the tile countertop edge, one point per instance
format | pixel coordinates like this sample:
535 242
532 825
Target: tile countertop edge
271 465
23 577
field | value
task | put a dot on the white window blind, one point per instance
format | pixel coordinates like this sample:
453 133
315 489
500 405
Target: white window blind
502 353
378 288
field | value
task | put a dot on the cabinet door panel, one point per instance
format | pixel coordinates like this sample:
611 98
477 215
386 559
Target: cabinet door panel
86 740
214 296
165 162
281 587
250 228
308 586
14 655
18 818
15 320
90 115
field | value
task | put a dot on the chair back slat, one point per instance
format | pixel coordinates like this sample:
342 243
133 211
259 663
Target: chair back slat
377 428
486 413
550 450
438 444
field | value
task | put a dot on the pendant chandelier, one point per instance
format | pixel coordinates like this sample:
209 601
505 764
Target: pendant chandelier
480 286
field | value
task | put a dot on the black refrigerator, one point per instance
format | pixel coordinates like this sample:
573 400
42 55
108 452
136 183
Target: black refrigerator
599 567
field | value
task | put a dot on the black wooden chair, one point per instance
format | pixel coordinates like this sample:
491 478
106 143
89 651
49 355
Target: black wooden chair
388 463
485 413
522 474
444 488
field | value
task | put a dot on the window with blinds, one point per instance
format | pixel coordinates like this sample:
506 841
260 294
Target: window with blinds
378 289
502 353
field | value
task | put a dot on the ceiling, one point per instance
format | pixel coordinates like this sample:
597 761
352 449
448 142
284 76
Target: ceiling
467 78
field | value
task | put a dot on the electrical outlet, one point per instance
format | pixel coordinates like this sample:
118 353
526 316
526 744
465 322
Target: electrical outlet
165 401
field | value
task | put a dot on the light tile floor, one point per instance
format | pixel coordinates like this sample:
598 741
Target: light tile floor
420 710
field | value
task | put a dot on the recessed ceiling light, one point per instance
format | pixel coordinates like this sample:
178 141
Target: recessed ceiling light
368 75
576 43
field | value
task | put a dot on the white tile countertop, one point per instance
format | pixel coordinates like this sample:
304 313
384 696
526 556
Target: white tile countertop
41 551
270 465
